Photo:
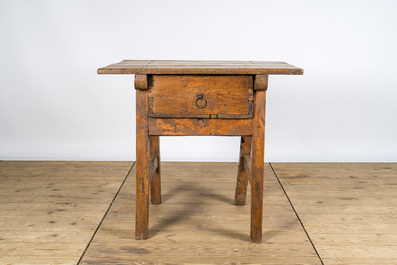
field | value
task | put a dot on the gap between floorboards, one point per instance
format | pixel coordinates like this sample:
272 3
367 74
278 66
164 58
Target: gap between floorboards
104 216
297 216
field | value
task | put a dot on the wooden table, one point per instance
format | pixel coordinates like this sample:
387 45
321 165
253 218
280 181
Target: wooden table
218 98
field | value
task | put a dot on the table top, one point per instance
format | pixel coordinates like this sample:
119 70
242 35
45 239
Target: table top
200 67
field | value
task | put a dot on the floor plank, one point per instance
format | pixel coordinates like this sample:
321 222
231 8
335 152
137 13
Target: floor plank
198 223
49 211
348 209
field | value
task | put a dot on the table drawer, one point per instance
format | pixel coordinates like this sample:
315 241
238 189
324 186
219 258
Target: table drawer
200 96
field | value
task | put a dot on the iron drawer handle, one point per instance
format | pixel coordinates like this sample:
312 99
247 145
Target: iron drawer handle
203 99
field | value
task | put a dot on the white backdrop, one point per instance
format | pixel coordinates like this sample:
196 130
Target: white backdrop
53 105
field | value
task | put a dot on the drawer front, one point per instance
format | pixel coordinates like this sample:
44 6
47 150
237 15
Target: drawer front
200 96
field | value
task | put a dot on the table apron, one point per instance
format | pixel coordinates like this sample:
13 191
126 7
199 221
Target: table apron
200 127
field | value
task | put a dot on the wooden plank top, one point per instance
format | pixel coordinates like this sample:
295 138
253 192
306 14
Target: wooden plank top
200 67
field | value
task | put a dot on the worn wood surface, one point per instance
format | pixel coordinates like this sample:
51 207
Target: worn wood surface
248 166
348 209
141 82
242 177
153 166
192 95
49 211
261 82
142 165
189 127
200 67
198 223
155 182
257 164
249 115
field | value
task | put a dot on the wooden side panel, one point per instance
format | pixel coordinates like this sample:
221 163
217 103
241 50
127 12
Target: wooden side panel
200 94
257 166
191 127
142 165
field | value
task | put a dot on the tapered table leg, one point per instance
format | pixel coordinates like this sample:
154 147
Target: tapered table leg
257 166
142 165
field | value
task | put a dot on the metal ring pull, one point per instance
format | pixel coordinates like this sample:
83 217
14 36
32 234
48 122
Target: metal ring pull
202 98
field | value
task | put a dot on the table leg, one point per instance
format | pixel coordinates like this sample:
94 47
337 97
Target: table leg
155 184
142 165
242 178
257 166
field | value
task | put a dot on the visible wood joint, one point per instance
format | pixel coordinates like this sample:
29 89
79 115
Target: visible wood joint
154 164
141 82
247 166
261 82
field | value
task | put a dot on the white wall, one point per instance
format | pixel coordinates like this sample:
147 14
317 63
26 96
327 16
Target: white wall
53 105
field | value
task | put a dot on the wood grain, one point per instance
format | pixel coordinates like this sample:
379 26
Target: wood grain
49 210
142 165
153 166
348 209
155 182
261 82
141 82
189 127
248 166
199 95
257 160
242 177
200 67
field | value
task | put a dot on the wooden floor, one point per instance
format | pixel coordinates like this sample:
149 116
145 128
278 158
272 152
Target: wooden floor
348 210
49 211
83 213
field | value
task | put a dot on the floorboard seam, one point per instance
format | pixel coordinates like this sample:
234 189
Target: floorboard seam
103 218
297 216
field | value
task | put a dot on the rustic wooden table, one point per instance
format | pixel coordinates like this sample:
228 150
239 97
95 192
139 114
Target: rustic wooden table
219 98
